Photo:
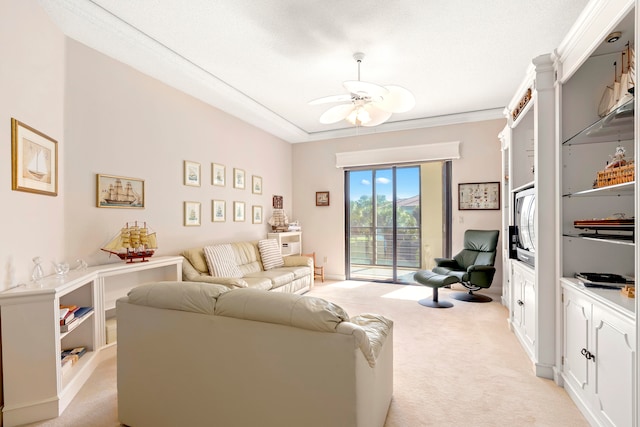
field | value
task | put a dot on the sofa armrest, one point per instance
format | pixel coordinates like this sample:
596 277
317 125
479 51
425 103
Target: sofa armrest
370 331
298 260
190 274
446 262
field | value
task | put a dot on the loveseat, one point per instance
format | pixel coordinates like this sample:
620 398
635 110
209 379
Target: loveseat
196 354
291 274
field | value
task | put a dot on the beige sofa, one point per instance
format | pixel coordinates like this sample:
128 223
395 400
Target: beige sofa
193 354
296 276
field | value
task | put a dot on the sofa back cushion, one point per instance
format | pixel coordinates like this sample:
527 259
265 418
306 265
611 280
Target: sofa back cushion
270 253
300 311
247 257
222 261
183 296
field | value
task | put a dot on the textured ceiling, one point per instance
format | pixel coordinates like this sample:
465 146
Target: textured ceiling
264 60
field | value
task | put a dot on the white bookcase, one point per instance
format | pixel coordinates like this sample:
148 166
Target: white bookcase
34 386
290 242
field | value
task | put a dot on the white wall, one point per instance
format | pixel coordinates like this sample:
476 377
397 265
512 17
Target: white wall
314 170
32 88
119 121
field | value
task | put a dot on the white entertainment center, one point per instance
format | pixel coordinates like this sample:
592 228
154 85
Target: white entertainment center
34 384
585 339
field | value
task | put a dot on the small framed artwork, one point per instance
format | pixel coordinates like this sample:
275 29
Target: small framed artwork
119 192
322 198
218 173
238 178
191 173
256 184
34 160
238 211
479 196
218 211
277 202
192 211
256 214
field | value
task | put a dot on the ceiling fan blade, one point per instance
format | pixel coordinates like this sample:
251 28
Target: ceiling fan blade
397 100
365 88
337 113
376 114
329 99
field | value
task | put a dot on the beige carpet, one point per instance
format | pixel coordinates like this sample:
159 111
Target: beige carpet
452 367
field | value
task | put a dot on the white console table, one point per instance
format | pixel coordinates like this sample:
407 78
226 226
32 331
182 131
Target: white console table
290 242
34 387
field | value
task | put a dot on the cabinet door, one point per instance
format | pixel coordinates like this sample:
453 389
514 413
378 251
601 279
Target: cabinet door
529 308
577 315
517 304
614 349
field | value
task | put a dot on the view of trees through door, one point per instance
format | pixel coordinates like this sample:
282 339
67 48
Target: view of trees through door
389 234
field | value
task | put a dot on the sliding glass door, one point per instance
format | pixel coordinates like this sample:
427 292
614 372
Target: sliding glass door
383 223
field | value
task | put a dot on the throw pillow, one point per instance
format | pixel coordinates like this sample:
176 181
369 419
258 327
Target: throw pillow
221 261
270 254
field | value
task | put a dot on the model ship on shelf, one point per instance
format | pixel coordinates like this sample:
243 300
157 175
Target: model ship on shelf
617 227
279 222
133 243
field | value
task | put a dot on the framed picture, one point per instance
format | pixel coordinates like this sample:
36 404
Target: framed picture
256 184
119 192
191 173
479 195
256 214
192 213
277 202
218 211
238 178
34 160
322 198
238 211
218 174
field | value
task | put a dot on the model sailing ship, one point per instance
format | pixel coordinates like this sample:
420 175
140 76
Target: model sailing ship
133 243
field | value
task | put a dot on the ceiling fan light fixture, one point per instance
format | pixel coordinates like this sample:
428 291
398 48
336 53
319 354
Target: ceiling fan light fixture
369 104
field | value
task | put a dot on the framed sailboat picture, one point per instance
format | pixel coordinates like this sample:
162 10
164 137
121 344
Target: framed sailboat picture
34 160
119 192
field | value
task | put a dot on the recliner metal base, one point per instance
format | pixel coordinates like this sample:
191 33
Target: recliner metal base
470 297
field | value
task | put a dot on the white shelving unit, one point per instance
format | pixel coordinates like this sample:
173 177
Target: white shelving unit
290 242
34 385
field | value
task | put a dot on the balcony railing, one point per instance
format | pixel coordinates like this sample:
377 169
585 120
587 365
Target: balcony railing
374 246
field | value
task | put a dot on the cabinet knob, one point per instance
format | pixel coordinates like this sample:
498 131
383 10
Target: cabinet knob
520 303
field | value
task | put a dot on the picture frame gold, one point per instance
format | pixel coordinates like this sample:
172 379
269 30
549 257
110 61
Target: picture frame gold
218 211
239 178
192 214
238 211
218 175
322 198
256 184
479 196
256 214
114 191
191 173
34 160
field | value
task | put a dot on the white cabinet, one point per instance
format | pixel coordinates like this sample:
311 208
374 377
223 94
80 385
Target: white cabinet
598 357
523 305
34 384
290 242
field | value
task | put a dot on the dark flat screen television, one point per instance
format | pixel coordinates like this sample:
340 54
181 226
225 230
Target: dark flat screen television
524 208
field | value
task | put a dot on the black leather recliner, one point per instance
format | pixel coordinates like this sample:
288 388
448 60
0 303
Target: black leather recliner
474 265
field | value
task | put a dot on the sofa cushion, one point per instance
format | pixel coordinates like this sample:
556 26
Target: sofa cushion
278 277
183 296
196 257
247 256
221 261
295 310
270 254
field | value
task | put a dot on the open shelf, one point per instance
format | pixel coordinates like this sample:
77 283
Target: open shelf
625 189
617 125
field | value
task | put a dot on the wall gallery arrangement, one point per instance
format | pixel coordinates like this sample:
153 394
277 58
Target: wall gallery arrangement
193 210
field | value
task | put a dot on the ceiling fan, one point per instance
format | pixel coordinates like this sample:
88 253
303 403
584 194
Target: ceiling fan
366 104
